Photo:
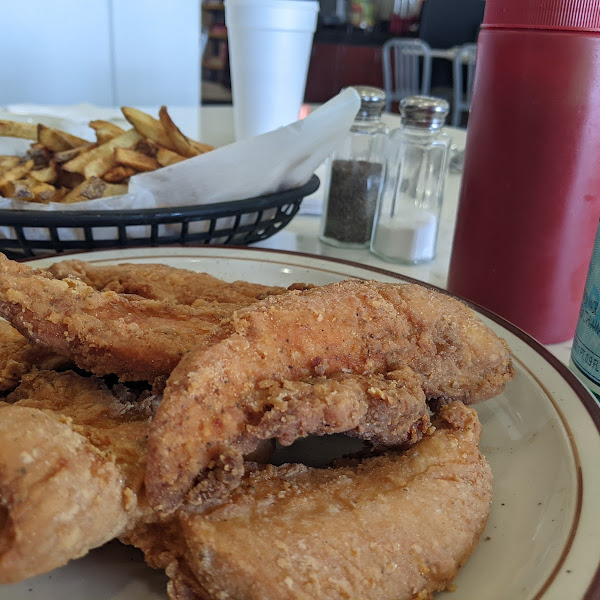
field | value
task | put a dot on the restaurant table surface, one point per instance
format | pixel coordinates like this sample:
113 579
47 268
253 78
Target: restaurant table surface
213 124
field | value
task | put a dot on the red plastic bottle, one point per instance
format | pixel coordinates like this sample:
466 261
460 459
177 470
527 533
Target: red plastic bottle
530 197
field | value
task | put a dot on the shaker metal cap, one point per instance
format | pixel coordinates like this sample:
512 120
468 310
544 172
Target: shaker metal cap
424 111
372 100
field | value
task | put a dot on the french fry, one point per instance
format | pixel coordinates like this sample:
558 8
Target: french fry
106 159
67 155
104 151
114 189
119 174
17 172
148 127
40 155
202 148
107 126
18 129
89 189
8 162
44 193
168 157
54 140
181 142
47 175
99 166
19 190
147 148
68 180
105 135
137 160
56 196
72 139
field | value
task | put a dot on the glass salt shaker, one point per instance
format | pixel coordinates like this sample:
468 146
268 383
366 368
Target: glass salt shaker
408 215
355 178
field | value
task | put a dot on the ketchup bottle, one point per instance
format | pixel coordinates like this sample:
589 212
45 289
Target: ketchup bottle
530 196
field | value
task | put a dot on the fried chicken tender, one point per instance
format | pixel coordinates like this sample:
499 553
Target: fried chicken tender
18 356
387 411
162 282
103 332
363 328
71 469
392 527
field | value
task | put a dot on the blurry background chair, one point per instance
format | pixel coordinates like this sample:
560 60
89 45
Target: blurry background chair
463 64
406 69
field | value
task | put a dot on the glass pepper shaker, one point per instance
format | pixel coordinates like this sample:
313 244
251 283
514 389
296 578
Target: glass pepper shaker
407 220
355 177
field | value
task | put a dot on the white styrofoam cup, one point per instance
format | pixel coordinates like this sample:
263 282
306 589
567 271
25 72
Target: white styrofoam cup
270 43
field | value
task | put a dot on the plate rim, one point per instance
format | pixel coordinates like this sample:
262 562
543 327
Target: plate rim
584 396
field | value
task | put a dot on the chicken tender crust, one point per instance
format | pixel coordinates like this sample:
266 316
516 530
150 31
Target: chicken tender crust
103 332
364 328
71 469
162 282
392 527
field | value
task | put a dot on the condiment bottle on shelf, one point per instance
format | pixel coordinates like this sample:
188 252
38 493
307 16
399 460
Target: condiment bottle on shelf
530 197
407 221
355 176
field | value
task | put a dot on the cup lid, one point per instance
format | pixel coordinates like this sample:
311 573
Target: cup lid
424 111
580 15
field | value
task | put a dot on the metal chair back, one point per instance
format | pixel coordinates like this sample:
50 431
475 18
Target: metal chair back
464 62
406 69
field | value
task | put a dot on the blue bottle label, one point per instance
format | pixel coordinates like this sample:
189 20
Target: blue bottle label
585 353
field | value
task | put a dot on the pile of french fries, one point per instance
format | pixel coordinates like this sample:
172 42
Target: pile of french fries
60 167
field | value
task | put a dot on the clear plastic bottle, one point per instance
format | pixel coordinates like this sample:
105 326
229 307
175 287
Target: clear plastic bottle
355 178
407 220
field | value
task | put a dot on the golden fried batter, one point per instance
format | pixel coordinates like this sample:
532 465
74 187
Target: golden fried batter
71 469
18 356
392 527
364 328
162 282
103 332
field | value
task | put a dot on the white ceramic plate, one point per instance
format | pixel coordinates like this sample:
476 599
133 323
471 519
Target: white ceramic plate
541 436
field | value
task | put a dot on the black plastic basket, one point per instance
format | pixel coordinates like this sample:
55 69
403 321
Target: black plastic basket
236 223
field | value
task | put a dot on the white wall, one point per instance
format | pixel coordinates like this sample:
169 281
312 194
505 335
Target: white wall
107 52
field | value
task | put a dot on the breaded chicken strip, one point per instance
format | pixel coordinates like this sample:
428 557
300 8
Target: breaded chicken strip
363 328
393 527
387 411
71 469
18 356
162 282
72 464
103 332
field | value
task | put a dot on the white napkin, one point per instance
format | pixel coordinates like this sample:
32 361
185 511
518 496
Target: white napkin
275 161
